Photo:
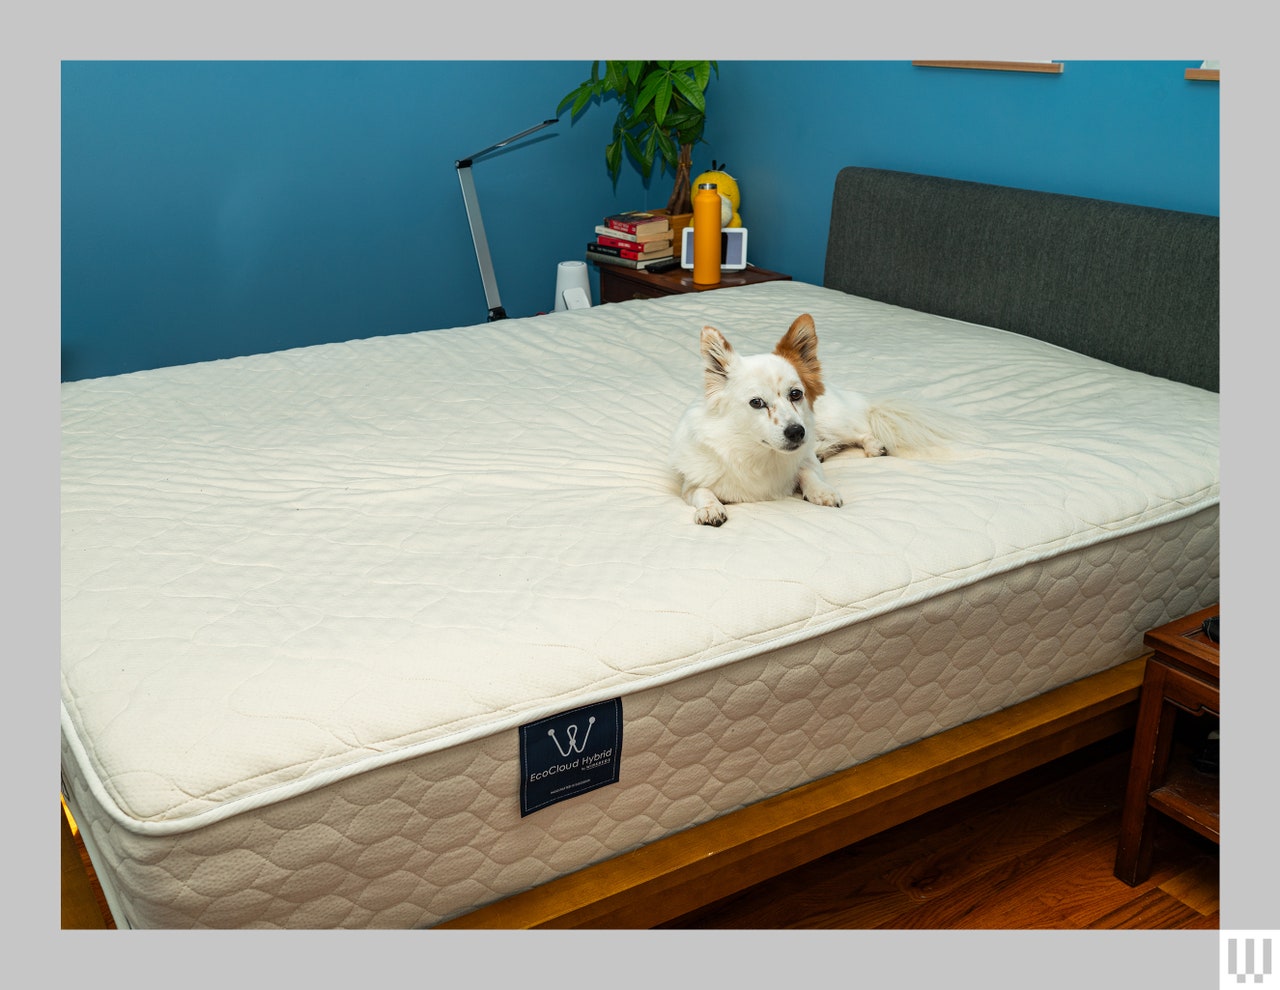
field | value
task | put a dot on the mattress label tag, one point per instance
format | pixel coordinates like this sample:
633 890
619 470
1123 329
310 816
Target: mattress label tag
569 754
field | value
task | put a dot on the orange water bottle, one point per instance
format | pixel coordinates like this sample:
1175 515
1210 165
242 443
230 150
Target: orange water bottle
706 235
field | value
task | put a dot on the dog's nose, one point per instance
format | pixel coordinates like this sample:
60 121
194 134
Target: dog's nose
794 432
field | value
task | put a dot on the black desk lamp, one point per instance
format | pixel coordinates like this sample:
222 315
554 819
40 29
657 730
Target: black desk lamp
463 165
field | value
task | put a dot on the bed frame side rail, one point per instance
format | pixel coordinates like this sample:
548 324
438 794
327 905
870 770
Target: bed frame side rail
673 875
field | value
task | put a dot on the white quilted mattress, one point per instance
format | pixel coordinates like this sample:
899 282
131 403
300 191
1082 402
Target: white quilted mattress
310 596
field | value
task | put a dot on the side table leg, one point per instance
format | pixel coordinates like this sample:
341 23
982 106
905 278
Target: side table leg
1152 740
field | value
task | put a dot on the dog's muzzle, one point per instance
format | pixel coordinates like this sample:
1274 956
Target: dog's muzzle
794 435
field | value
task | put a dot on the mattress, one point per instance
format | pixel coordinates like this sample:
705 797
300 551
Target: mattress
309 598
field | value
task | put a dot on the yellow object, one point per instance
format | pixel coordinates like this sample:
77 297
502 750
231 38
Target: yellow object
726 185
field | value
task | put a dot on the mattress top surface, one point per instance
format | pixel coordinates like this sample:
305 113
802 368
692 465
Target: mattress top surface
284 569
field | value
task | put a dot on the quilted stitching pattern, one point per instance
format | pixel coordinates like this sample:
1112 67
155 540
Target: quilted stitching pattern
263 541
415 843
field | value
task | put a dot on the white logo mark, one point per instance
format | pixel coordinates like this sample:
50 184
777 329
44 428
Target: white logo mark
572 731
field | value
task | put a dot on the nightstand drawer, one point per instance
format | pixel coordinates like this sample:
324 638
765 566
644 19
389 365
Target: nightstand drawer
618 288
1191 694
618 284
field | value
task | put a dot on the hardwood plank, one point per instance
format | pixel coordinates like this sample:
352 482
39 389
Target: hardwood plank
1067 883
1036 852
1051 885
1198 885
1154 909
892 874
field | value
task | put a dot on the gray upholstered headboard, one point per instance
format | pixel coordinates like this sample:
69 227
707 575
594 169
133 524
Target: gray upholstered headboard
1132 285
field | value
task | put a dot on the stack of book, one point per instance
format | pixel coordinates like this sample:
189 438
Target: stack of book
635 239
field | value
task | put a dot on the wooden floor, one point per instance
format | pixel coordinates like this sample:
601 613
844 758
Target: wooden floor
1035 852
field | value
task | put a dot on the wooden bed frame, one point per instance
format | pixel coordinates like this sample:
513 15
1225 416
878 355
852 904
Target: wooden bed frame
674 875
1132 285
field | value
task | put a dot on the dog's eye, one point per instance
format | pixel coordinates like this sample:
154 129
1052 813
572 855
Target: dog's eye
757 403
796 395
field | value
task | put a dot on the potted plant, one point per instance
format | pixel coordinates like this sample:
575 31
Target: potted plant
661 112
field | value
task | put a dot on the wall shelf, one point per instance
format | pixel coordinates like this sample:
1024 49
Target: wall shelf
1209 75
1002 66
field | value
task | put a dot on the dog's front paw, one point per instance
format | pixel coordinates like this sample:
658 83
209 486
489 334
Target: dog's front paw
823 496
710 515
707 509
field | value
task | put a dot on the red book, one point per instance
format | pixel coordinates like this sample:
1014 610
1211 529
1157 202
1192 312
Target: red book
630 245
638 222
666 251
622 235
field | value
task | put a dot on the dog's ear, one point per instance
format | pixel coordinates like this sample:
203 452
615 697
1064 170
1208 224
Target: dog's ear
799 345
717 354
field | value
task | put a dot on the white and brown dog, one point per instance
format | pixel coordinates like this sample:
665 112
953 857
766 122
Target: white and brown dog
766 422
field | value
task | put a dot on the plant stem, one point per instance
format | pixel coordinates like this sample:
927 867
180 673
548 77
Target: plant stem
681 200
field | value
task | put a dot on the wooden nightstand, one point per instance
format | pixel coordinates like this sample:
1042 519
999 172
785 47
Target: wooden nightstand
619 284
1181 675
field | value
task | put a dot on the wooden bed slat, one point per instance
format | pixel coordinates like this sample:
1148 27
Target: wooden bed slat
673 875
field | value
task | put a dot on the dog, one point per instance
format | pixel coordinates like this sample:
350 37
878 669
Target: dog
766 422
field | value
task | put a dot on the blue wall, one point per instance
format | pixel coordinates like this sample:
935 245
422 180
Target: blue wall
1136 132
211 209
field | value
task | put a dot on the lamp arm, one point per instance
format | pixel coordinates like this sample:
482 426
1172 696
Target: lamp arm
478 238
472 203
502 144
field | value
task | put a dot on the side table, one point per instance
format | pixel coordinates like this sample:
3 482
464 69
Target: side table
618 284
1180 675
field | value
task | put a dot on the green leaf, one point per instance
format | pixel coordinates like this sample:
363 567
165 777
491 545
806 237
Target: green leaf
670 150
579 98
662 100
661 105
615 76
613 159
643 156
631 122
691 91
648 90
580 104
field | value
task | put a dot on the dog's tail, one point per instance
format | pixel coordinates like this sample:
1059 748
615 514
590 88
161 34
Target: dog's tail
908 427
